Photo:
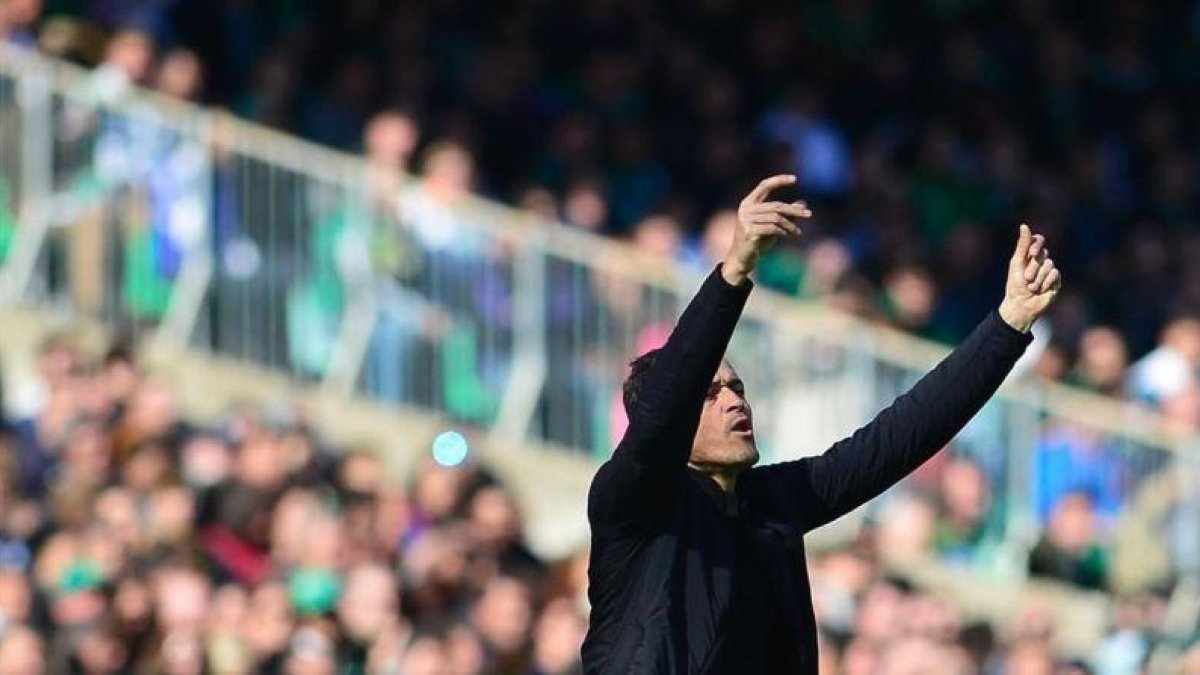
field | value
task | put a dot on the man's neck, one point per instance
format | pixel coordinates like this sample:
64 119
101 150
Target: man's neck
724 477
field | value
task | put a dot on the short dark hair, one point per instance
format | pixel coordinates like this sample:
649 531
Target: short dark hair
639 368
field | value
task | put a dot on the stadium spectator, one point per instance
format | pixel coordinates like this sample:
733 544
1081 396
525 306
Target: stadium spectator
906 529
658 236
557 638
1070 460
180 75
1070 549
1029 658
1102 362
22 652
1171 367
718 235
909 299
18 20
356 238
818 147
448 177
585 207
1126 647
968 527
37 436
128 61
390 140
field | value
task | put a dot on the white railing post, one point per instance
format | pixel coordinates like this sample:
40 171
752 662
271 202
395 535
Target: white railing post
196 273
353 342
360 311
1024 430
34 105
1187 523
528 376
1182 613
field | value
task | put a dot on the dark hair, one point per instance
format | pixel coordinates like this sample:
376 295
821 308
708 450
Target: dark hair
639 368
121 352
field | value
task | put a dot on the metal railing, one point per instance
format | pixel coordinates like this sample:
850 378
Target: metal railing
210 233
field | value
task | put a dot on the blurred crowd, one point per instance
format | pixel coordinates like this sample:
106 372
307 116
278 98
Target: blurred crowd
922 132
134 541
875 623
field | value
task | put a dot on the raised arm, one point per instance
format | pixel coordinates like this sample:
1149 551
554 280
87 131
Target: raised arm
816 490
652 457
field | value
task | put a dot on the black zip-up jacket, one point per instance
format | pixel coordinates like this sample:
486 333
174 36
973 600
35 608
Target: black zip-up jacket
685 578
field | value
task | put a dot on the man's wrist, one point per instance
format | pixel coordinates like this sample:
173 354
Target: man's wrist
733 272
1016 318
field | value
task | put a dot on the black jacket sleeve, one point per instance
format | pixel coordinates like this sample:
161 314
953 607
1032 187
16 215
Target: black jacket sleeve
651 459
816 490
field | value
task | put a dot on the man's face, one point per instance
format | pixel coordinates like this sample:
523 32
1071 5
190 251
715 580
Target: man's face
368 602
725 437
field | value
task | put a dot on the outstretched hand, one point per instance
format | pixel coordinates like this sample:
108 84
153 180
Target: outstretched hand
760 224
1033 281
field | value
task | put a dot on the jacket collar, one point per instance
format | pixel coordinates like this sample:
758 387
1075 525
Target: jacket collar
729 503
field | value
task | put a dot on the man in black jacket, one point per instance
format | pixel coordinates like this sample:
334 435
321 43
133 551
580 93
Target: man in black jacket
697 561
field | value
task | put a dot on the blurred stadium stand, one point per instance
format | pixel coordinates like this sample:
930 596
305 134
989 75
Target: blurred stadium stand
252 266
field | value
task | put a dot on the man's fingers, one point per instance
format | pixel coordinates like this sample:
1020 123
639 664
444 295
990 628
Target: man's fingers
769 229
1031 270
1043 272
1052 282
796 210
1024 241
769 221
781 227
764 188
768 217
789 227
764 216
766 209
1036 248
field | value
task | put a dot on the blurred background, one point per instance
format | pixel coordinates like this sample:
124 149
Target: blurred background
315 315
